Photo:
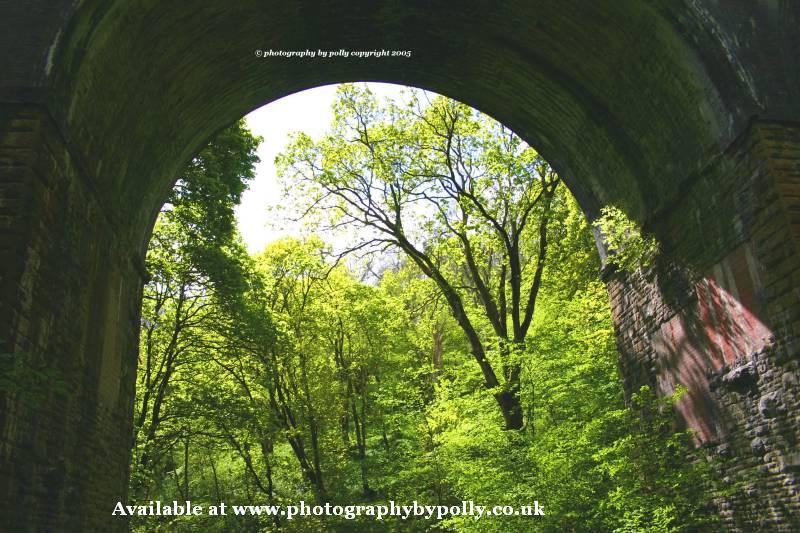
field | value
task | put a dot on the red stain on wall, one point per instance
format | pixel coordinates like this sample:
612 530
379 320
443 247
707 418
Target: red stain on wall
722 328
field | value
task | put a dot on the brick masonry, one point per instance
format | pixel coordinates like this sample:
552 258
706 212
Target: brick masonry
68 337
720 314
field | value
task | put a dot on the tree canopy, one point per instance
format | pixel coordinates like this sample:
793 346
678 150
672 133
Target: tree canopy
463 197
281 376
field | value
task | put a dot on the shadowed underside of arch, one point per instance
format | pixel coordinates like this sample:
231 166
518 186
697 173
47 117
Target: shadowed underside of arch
612 94
681 113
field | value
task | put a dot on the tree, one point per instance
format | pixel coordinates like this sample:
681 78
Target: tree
488 196
193 257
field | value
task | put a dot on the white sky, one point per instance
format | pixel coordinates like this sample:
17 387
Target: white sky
308 111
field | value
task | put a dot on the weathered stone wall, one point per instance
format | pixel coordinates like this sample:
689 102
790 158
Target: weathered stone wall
68 336
722 317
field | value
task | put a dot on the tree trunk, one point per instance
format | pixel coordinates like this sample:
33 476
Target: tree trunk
218 496
186 467
511 407
437 351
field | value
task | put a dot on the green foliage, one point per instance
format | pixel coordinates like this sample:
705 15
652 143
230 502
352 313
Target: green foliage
657 487
212 183
282 377
463 198
628 248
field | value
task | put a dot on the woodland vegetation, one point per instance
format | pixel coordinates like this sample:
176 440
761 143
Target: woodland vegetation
461 348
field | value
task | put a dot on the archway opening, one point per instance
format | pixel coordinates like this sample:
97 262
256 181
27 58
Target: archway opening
469 337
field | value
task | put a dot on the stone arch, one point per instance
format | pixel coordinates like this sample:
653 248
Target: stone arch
650 106
613 95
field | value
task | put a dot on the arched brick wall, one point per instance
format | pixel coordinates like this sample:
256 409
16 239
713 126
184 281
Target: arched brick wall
681 113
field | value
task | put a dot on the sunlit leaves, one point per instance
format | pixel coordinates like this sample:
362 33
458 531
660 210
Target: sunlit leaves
629 249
